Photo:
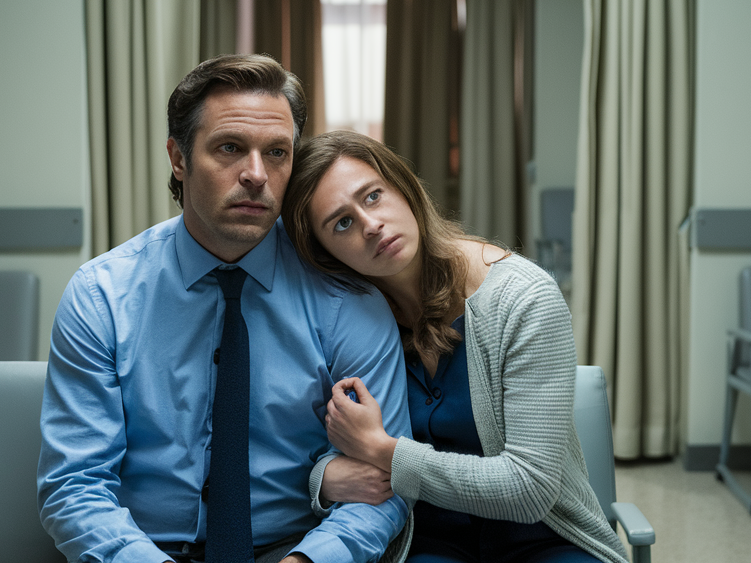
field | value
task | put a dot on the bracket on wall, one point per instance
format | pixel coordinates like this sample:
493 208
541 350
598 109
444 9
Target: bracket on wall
721 229
38 228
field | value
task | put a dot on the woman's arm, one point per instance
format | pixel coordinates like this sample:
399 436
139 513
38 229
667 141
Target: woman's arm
519 334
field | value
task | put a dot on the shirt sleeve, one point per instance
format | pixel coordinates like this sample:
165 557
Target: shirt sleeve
83 437
527 364
365 343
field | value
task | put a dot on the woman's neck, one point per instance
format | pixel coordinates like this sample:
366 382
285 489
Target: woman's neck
403 294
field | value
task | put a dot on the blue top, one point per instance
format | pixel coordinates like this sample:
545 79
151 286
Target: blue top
126 418
440 407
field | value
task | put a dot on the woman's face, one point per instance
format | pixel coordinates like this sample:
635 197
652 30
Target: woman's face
363 221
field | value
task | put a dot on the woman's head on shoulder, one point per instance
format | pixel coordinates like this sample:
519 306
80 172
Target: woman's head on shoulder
340 182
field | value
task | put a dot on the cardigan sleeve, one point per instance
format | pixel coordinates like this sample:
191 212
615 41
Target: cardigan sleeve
522 365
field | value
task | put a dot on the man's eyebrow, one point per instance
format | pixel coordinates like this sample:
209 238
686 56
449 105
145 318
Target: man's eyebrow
331 216
281 140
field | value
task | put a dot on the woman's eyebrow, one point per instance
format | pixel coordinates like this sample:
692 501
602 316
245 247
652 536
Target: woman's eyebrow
331 216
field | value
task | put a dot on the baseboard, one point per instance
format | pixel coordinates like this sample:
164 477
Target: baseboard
705 458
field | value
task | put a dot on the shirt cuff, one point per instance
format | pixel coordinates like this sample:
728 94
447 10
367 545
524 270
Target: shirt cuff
141 551
323 547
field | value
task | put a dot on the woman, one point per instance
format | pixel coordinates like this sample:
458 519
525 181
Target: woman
495 465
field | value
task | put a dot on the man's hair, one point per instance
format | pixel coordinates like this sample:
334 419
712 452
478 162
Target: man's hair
444 270
257 74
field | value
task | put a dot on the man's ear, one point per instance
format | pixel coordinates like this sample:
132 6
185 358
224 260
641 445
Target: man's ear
176 158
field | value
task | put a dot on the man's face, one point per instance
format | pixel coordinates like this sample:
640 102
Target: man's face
240 166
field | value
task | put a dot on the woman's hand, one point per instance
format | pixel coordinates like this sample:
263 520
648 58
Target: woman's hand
350 480
357 428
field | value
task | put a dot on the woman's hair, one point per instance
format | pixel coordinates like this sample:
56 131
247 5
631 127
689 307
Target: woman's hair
444 269
258 74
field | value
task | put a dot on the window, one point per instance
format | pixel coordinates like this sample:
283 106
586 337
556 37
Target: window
354 64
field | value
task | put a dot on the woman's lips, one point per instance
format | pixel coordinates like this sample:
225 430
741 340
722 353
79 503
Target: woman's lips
386 243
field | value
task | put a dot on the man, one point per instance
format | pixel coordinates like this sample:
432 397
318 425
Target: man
129 413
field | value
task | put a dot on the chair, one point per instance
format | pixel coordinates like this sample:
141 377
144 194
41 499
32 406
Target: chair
554 248
592 418
22 536
19 328
738 380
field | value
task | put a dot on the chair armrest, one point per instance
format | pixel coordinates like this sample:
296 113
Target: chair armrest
740 334
637 528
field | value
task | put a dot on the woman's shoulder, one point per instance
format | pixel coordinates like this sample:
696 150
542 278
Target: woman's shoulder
515 272
514 282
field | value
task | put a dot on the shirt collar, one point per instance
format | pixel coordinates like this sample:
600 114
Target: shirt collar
195 261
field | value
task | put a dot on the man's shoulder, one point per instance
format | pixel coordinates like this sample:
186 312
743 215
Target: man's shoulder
157 238
365 299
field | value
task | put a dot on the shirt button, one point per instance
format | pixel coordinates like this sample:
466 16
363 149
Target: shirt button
216 356
437 393
429 401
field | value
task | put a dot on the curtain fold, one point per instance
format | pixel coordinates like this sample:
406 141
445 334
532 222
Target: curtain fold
421 70
218 28
632 193
137 51
492 150
290 31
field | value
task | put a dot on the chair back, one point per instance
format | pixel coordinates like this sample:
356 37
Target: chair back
592 419
22 536
745 314
19 316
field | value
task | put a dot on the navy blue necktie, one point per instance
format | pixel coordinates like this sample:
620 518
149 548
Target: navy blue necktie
229 538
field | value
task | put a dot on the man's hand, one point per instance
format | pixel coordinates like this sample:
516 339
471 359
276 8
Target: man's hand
350 480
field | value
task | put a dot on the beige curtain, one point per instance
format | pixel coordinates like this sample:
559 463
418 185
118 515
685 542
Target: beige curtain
218 28
137 51
290 31
422 68
632 193
492 146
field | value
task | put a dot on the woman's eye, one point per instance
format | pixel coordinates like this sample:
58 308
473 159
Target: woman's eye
373 196
343 224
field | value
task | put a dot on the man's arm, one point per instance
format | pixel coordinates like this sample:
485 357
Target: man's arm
83 438
365 344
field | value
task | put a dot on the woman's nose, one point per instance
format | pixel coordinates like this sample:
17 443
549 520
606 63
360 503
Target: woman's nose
371 225
254 171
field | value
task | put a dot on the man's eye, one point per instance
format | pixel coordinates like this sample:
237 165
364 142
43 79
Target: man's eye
343 224
229 147
277 153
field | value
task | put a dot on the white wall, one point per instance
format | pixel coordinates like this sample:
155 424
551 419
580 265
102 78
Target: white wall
722 179
43 132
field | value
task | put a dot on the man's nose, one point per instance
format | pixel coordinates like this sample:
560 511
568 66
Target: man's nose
254 172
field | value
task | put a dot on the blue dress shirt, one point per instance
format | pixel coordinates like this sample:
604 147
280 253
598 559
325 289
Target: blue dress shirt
126 418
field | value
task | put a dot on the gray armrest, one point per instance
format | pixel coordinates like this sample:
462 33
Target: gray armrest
740 334
637 528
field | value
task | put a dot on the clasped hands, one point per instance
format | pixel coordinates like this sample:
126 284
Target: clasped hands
356 429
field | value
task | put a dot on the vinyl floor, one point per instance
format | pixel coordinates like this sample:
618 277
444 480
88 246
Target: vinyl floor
696 518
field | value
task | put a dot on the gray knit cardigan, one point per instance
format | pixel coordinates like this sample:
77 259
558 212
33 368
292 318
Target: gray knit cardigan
522 365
